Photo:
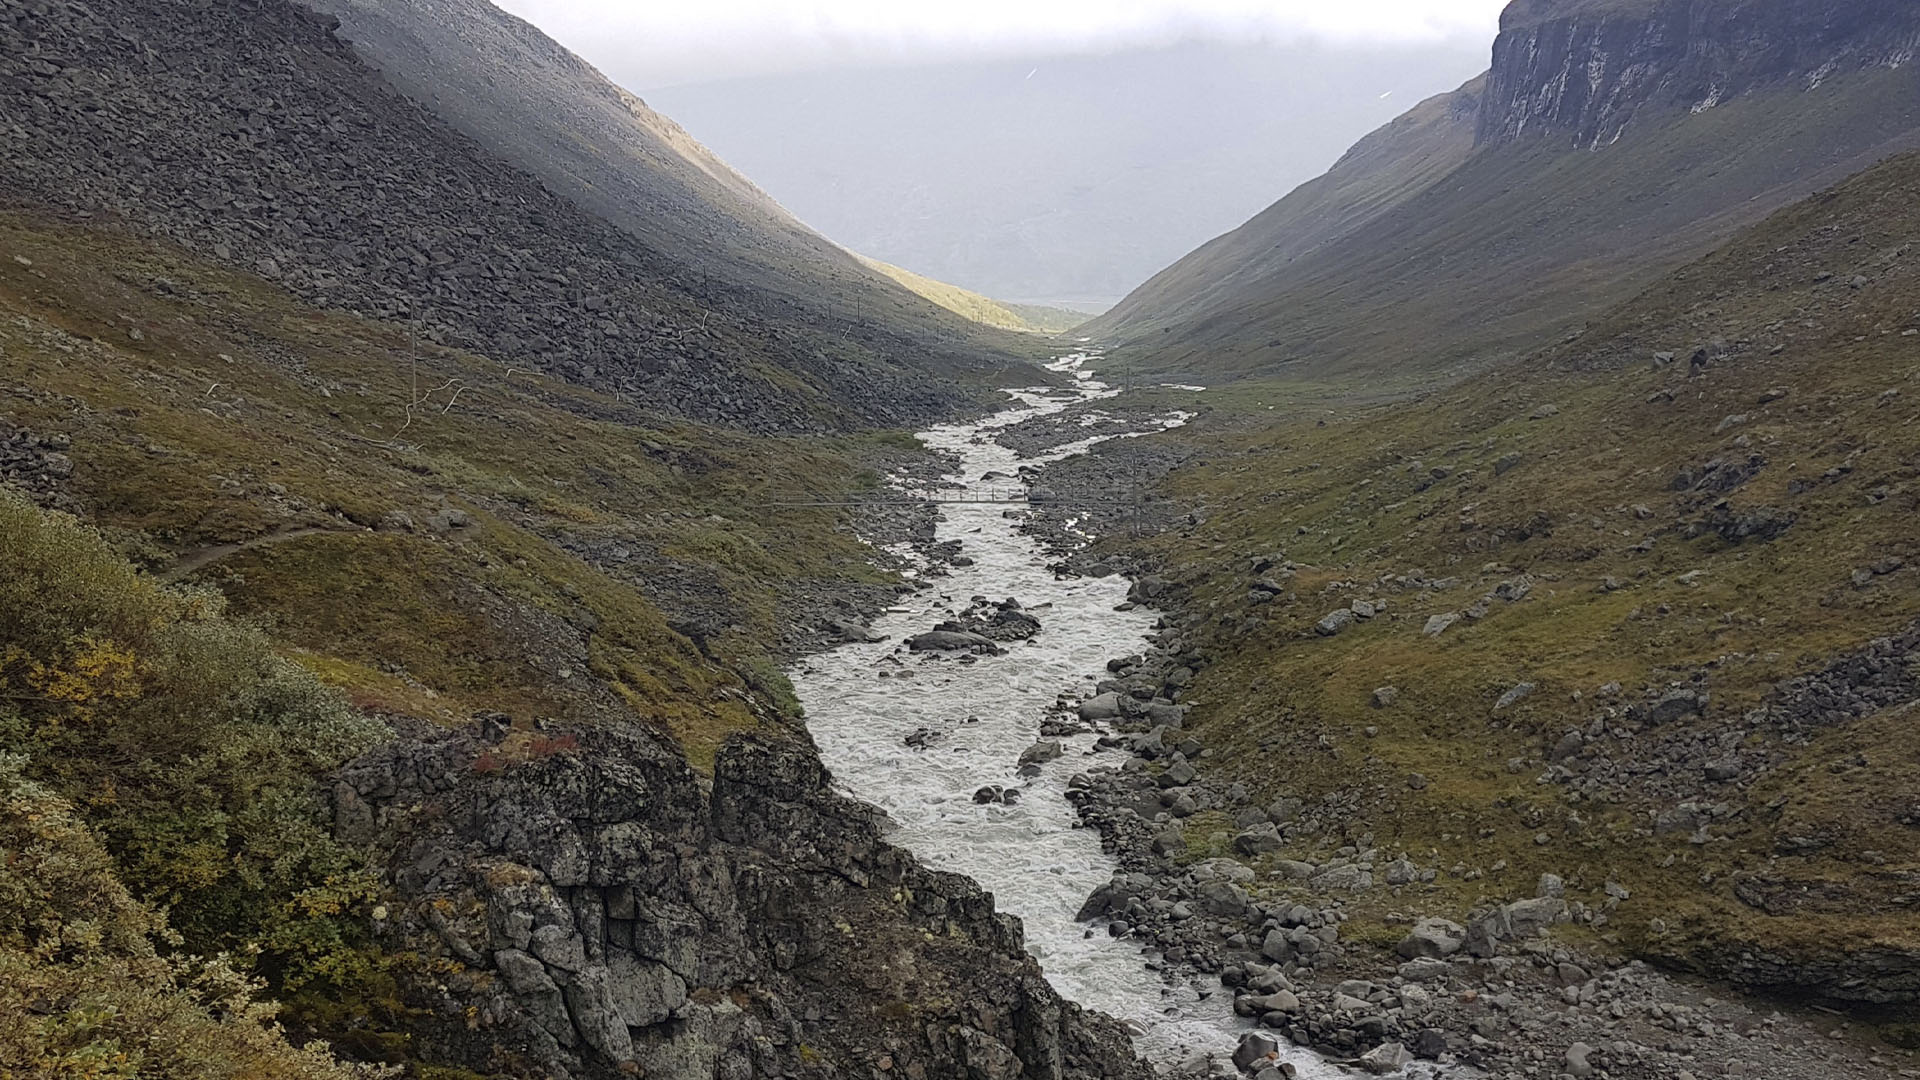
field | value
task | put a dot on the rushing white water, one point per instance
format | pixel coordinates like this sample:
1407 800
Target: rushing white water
863 700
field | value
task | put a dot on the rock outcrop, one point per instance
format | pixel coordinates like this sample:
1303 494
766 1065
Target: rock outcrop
1583 69
592 906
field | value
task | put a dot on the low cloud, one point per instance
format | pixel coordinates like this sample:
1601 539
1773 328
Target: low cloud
657 44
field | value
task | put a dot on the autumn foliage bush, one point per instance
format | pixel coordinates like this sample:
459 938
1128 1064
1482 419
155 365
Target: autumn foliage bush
87 988
164 759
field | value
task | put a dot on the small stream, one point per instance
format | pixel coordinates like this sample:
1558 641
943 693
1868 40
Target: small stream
862 701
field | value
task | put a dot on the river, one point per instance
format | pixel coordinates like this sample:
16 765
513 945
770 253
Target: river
862 701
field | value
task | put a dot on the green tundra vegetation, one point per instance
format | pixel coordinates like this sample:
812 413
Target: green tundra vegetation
295 528
1713 486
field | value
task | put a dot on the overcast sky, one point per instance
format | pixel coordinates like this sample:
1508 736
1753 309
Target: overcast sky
651 43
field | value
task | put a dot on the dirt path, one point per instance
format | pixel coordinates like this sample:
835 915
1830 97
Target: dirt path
206 556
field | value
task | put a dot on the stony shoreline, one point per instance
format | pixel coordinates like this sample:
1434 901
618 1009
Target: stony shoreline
1502 988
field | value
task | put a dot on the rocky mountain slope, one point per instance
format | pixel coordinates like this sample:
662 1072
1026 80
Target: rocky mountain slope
1624 630
513 90
1608 144
252 135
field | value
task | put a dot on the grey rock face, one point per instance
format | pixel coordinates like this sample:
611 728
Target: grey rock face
1673 56
663 886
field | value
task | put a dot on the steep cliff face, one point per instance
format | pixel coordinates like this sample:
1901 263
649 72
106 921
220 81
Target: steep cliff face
590 910
1584 69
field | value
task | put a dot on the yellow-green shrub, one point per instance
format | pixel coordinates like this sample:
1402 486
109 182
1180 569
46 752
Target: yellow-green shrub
187 744
83 990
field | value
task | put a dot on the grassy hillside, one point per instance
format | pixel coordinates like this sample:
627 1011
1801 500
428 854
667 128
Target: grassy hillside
1461 260
1383 170
1026 318
367 525
1679 531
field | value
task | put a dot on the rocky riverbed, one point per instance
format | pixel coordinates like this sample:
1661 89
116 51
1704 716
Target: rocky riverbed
939 723
1511 990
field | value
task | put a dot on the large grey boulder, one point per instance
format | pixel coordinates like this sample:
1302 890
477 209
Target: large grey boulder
1178 774
1386 1058
1519 693
1432 939
1256 1048
1525 918
1258 839
1335 621
1166 714
1102 707
1424 970
1041 752
1673 705
1346 878
1222 898
1284 809
1281 1001
1294 870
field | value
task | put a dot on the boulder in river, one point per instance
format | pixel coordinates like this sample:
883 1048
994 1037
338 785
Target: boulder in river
952 641
1003 621
1101 707
1386 1058
1257 1048
1041 752
848 630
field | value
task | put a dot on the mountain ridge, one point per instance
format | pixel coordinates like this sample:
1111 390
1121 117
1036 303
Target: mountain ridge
1536 232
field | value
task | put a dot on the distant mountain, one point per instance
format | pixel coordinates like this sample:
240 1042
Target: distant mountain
1523 203
1060 178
